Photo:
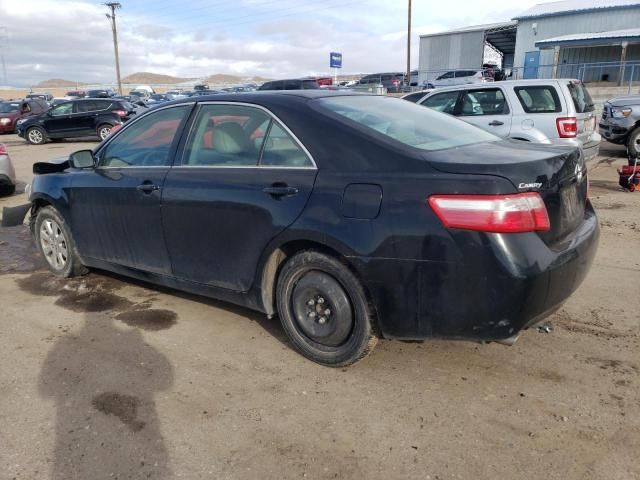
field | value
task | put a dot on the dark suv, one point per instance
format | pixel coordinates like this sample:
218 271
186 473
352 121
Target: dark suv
291 84
393 81
76 118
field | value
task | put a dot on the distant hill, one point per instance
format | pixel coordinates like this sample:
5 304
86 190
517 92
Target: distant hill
223 79
148 78
57 82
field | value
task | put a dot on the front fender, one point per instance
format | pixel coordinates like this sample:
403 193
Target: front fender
52 190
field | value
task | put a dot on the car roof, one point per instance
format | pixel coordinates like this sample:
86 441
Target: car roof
266 95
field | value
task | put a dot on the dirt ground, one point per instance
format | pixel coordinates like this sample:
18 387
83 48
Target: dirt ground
102 377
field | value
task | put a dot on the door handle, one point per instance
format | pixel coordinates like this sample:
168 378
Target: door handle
496 123
280 190
147 188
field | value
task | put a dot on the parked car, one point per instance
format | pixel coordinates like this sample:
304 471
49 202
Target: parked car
14 112
200 87
7 173
158 98
393 82
76 94
558 111
374 225
620 123
100 93
58 100
47 97
76 118
290 84
460 77
415 97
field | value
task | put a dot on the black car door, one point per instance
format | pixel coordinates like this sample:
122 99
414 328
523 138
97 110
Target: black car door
58 121
115 208
86 113
241 179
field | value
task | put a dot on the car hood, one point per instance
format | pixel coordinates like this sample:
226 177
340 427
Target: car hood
624 101
11 115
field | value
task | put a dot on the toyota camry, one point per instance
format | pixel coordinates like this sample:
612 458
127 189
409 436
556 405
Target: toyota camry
349 216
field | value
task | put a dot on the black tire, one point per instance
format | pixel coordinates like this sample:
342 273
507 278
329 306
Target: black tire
104 130
633 146
348 332
49 216
36 136
7 189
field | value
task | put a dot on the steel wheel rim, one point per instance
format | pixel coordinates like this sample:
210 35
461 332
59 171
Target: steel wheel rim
321 309
104 132
35 136
54 244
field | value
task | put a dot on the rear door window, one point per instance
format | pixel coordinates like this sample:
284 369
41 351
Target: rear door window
281 150
581 98
309 84
444 102
539 99
226 136
489 101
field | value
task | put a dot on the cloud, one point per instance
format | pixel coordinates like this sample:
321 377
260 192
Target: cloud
72 39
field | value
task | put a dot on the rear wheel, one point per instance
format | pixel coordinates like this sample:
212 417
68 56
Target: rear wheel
7 189
36 136
633 146
54 241
324 310
104 131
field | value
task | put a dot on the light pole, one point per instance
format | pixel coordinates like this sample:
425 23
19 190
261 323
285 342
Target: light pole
112 19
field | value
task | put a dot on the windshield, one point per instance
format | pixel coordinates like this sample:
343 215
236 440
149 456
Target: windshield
581 98
9 107
407 122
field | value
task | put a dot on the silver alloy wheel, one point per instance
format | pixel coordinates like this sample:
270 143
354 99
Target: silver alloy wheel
54 244
104 132
35 136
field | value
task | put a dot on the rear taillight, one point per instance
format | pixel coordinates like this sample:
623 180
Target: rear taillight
3 149
395 82
567 127
120 113
513 213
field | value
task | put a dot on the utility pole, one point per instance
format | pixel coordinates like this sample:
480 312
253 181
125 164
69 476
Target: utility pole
112 19
409 46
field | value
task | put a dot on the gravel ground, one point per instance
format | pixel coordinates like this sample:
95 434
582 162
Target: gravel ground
102 377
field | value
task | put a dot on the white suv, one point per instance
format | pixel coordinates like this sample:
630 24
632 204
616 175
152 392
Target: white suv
558 111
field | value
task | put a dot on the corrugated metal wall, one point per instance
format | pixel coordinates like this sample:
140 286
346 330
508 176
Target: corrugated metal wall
549 27
450 51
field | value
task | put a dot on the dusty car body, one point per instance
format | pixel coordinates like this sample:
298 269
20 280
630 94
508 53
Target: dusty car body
7 173
350 216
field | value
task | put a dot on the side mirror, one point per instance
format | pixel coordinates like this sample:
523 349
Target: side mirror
82 159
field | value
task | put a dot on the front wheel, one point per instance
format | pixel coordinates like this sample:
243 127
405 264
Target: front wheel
633 146
104 131
324 310
54 241
36 136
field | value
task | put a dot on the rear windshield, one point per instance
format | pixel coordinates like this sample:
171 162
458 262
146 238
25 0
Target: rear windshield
9 107
539 99
406 122
581 98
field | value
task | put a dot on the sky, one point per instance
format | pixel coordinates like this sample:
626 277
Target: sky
71 39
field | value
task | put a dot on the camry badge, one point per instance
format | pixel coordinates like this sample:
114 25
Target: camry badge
523 186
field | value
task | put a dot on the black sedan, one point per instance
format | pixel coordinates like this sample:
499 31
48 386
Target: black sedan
350 216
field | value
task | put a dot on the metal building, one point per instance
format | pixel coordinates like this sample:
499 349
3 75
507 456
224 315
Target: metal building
588 39
594 40
465 48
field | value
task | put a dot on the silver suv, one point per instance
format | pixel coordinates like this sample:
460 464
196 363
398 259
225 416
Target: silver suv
558 111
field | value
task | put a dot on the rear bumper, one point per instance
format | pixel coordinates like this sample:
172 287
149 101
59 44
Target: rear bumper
505 284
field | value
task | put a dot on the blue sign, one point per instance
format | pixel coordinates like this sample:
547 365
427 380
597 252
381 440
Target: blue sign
335 60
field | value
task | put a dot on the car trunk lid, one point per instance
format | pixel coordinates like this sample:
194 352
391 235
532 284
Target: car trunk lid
558 174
